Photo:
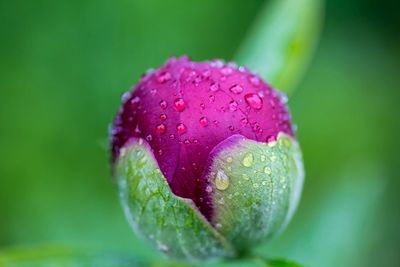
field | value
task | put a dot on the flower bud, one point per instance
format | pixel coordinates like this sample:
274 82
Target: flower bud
206 160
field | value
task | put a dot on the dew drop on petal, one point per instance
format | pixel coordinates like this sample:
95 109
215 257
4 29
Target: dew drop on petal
161 128
226 71
236 89
233 105
254 80
214 87
248 159
206 73
164 77
163 117
172 136
179 104
271 138
244 122
203 121
149 137
208 189
221 180
163 104
253 100
181 128
135 102
125 96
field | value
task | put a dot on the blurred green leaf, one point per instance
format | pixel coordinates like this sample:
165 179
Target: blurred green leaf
282 263
282 40
255 261
64 257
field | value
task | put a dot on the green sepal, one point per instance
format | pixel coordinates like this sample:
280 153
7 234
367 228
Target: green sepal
170 223
255 188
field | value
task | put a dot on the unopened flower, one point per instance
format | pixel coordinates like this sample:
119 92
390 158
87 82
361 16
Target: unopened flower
206 159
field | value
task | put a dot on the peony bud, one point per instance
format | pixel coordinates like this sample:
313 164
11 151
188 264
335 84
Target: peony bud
206 160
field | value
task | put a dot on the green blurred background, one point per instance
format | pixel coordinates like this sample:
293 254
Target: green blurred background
64 65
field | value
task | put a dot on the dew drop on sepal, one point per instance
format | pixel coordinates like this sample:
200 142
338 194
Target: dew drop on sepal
221 180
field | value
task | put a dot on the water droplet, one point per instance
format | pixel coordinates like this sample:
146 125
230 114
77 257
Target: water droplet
231 128
233 105
163 117
179 104
161 128
162 247
273 158
206 73
181 128
257 128
149 137
153 91
160 152
244 122
236 89
218 225
211 98
248 159
122 152
267 170
226 71
263 158
163 104
254 80
229 159
186 141
198 80
253 100
221 180
217 63
208 189
141 161
202 106
125 96
135 102
272 102
203 121
214 87
271 138
163 77
283 97
172 136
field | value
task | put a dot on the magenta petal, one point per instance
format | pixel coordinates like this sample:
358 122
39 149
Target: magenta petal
184 109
